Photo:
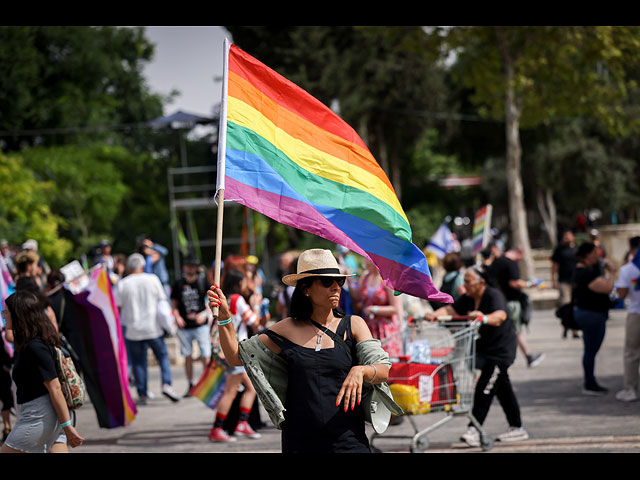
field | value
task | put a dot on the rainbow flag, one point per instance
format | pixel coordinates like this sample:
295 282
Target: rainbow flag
481 228
210 387
289 157
102 350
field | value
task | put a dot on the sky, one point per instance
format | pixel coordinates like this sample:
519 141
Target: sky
188 59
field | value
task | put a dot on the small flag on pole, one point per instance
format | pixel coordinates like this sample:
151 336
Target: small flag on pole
442 242
481 228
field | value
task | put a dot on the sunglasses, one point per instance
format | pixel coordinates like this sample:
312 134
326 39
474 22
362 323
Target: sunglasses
328 281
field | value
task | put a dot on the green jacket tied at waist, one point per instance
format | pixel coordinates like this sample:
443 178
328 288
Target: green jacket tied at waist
268 373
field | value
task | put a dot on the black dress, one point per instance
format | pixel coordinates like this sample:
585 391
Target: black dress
313 423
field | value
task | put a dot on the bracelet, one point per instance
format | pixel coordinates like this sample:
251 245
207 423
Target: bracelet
375 309
375 372
224 322
66 424
485 320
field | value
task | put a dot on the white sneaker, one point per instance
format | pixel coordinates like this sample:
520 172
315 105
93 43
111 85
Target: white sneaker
514 434
626 395
471 437
167 391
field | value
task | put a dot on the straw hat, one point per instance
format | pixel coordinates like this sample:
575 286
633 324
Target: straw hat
315 263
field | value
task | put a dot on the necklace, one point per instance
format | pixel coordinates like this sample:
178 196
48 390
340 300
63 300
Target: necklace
319 334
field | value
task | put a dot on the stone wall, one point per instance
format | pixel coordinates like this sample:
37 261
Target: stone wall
615 240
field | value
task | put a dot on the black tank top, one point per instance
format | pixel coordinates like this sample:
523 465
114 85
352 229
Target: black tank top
313 423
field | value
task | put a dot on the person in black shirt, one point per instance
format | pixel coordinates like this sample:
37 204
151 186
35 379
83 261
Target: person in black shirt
504 274
563 264
188 300
44 422
495 352
591 288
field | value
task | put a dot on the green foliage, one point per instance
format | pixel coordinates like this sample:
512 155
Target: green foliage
88 187
25 211
559 71
586 170
70 77
425 220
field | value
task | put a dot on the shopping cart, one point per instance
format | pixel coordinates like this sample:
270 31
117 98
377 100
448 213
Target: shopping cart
435 374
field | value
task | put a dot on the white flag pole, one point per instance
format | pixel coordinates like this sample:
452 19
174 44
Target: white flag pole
222 144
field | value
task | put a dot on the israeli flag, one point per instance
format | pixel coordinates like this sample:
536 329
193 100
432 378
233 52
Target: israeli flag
441 242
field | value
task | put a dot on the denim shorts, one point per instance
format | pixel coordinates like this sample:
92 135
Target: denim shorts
37 427
200 334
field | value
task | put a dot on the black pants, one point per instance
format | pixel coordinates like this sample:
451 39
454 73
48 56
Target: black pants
494 382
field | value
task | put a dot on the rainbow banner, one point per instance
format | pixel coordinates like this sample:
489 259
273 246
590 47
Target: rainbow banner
481 228
104 362
289 157
210 387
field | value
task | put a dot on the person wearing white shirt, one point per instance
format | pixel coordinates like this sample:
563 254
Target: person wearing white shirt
137 296
627 287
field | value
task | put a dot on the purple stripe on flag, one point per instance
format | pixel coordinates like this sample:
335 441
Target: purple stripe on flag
300 215
106 367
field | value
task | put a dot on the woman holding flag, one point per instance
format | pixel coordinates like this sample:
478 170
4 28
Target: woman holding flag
309 368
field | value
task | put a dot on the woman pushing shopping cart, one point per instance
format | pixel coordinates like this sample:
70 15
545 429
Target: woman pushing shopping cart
472 333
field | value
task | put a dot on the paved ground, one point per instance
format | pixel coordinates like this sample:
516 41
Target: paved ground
558 417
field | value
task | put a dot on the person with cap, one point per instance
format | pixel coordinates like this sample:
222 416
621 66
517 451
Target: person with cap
189 304
42 268
316 370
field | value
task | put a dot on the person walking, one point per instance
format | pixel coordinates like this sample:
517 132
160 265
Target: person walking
504 274
563 264
44 422
244 318
627 287
137 296
309 369
189 304
495 353
591 288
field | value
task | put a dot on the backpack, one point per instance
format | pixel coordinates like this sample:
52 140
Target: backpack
70 382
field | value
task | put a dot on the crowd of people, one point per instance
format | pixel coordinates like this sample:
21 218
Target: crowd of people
250 306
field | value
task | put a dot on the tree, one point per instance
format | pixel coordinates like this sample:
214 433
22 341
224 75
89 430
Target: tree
74 81
25 211
88 187
530 75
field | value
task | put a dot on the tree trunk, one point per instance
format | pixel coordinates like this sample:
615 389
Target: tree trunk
517 211
383 157
396 172
547 209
